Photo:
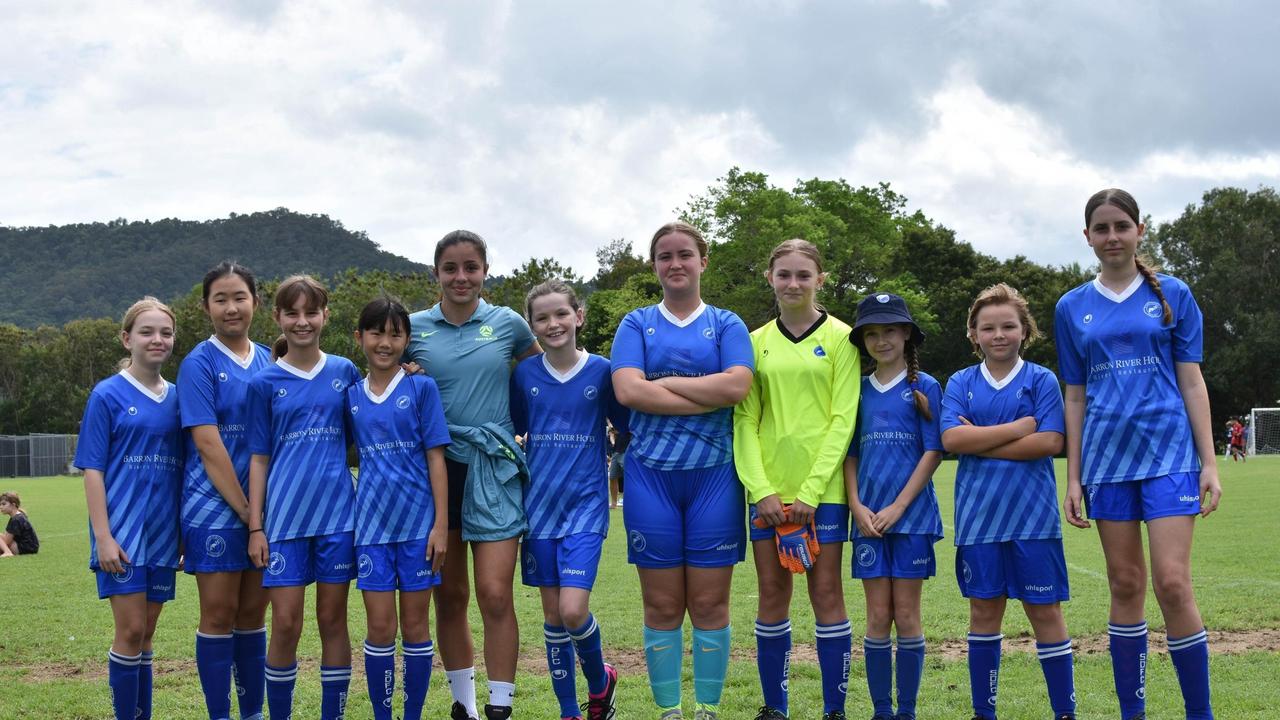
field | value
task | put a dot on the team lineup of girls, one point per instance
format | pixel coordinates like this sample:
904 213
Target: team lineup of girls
483 432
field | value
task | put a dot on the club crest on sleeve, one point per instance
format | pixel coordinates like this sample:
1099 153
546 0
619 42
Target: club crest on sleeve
402 402
1152 309
590 392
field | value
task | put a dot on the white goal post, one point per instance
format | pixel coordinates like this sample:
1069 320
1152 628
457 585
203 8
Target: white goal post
1264 431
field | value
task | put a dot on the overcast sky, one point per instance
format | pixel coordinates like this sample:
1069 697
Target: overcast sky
552 127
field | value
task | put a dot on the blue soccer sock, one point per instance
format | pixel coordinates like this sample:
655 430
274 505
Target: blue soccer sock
984 673
380 675
249 655
213 665
279 687
663 655
909 665
335 683
878 653
835 645
417 676
710 664
773 662
143 711
1190 657
1059 676
564 678
589 644
122 677
1129 666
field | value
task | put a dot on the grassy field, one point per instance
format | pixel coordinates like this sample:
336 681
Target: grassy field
54 633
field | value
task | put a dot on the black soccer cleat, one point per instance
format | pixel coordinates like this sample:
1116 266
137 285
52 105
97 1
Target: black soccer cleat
768 713
497 712
459 712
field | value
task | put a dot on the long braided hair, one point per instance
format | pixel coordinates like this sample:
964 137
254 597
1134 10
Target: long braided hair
912 356
1123 200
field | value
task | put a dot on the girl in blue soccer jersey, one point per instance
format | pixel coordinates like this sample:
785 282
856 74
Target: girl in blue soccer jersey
231 641
681 366
469 346
889 472
790 436
1139 444
561 402
402 526
130 449
300 488
1003 417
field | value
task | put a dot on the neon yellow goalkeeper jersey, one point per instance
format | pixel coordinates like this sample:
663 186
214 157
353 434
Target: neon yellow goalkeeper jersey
792 431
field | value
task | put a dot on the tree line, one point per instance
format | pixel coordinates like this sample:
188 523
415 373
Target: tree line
1227 248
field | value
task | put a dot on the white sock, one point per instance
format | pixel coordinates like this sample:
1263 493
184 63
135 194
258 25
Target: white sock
462 685
501 693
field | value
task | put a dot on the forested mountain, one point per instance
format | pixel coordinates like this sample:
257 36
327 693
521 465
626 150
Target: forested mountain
50 275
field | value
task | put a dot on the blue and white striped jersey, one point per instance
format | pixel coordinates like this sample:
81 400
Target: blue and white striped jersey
393 432
999 500
298 419
566 443
1118 347
711 340
134 438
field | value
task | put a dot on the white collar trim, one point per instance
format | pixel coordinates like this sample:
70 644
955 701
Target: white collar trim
889 385
308 375
1121 296
666 313
573 371
137 384
248 359
1000 384
386 392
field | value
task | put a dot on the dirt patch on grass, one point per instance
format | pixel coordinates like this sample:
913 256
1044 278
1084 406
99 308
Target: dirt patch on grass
630 661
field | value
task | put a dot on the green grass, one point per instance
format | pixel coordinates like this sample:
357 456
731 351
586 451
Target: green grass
55 632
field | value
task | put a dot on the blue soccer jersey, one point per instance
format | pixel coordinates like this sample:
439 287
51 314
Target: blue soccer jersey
999 500
1118 347
710 340
471 362
134 438
214 385
890 439
393 432
566 443
298 419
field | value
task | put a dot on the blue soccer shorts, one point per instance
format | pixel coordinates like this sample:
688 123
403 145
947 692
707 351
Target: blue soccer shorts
896 555
570 561
395 566
157 582
1150 499
830 519
302 561
684 517
210 551
1034 571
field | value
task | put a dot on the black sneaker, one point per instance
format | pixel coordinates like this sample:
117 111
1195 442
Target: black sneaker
834 715
881 716
768 713
602 707
497 712
459 712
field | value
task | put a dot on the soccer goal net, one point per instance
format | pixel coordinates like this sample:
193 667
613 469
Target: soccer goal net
1262 437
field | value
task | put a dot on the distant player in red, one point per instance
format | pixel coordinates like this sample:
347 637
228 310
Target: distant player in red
1237 440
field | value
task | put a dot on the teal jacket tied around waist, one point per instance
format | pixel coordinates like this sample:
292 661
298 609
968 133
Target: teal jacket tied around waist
493 502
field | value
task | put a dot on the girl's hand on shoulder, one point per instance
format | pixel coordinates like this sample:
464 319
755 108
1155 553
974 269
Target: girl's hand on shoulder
111 557
411 368
800 513
769 510
887 518
437 545
1073 505
864 519
1210 490
259 550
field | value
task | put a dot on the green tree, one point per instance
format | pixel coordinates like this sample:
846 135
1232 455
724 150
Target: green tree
513 288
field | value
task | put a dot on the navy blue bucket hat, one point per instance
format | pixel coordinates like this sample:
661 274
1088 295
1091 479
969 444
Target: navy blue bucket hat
883 309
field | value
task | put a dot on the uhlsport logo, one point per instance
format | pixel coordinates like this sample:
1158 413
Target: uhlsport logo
215 546
276 564
648 331
365 567
638 542
709 333
559 673
402 402
222 377
817 350
1152 309
882 298
282 392
133 410
337 385
355 409
1088 318
123 576
534 391
590 392
866 555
